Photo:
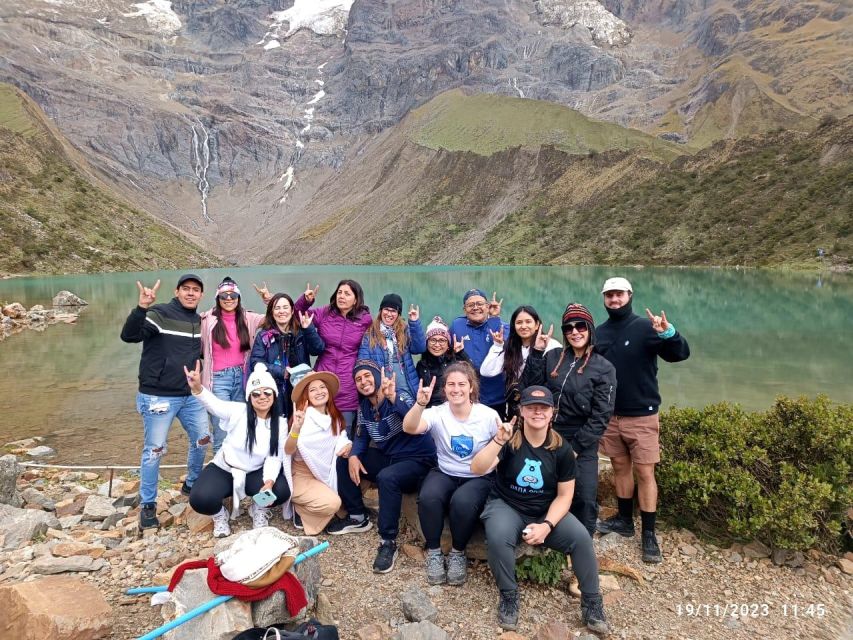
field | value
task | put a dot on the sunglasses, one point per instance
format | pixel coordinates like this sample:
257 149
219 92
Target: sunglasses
264 392
581 327
228 295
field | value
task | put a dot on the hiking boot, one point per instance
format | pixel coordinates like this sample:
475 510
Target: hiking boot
221 527
651 550
260 516
340 526
508 610
435 571
297 521
185 489
385 557
457 567
148 516
592 614
616 524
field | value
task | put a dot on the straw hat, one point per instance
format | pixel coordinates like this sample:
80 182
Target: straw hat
329 378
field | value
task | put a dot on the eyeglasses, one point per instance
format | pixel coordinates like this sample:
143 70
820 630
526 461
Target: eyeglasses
475 305
581 327
438 341
228 295
267 393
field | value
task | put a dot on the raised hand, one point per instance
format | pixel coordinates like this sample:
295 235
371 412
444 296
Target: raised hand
194 377
505 431
414 312
390 388
297 421
659 323
305 319
494 305
311 294
425 393
264 292
542 339
497 336
146 295
458 344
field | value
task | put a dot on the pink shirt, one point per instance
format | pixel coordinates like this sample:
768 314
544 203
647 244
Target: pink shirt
225 358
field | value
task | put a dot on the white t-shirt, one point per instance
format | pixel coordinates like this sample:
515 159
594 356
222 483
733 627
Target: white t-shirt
456 442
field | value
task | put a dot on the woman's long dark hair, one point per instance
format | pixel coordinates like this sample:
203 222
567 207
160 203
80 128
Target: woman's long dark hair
252 423
220 336
512 351
269 320
359 305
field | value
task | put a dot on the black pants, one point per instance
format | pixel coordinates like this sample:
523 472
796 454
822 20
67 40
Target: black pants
394 478
214 484
585 501
460 499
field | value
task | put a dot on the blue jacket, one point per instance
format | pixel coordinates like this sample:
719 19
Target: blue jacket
268 349
384 426
477 341
416 344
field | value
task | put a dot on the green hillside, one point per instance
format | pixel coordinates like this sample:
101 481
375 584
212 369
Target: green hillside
53 219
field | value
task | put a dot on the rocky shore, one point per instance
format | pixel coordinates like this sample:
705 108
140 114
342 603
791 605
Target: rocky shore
67 531
15 317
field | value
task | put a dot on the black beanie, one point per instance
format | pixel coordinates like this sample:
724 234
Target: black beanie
392 301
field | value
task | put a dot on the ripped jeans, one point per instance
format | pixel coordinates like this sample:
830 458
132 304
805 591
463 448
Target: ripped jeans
157 414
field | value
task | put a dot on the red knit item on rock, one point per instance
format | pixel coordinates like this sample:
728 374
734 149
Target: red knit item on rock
293 591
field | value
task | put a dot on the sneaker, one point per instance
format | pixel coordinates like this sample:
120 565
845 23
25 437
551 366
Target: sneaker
297 521
616 524
260 516
340 526
185 489
385 557
651 549
148 516
457 568
436 573
221 527
508 610
592 614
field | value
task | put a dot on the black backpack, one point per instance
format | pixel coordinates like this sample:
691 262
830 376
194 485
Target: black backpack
307 630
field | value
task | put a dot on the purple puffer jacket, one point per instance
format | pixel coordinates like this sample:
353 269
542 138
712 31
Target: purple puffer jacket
343 338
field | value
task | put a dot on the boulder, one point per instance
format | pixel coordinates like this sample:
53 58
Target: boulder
98 507
198 523
273 610
417 606
49 565
420 631
19 526
9 472
16 311
756 549
68 299
220 623
34 497
554 631
375 631
41 451
57 607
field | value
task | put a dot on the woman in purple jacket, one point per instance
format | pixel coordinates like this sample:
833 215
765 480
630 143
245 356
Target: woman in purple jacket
341 324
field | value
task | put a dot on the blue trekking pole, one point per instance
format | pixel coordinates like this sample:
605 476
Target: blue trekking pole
207 606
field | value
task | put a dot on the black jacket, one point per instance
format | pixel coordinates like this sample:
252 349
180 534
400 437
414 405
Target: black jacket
583 401
430 366
171 339
633 346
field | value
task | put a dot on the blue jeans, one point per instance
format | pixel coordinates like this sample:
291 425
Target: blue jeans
157 414
228 386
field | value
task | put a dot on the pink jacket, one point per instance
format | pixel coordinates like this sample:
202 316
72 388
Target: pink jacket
208 321
343 338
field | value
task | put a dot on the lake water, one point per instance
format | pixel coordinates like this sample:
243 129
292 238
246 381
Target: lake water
753 335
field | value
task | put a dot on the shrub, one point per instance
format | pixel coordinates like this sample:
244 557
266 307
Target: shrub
784 476
544 569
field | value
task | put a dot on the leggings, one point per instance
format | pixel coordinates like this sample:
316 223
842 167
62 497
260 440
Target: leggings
460 499
215 484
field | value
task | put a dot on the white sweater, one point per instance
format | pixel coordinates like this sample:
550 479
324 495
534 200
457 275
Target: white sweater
493 363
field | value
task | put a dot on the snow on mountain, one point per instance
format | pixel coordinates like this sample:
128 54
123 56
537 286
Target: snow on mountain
605 27
323 17
159 16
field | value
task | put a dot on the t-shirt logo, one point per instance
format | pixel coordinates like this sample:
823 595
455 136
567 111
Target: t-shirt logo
530 474
462 446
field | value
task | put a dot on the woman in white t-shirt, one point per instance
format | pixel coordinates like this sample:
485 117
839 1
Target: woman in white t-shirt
460 427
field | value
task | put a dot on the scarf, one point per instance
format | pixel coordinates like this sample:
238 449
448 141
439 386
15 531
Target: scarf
390 337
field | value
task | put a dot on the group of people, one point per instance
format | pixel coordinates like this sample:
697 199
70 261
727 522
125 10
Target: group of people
496 422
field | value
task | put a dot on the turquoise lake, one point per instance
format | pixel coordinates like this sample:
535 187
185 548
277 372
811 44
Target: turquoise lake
753 335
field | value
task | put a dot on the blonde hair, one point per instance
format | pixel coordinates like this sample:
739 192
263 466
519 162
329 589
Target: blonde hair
375 337
552 443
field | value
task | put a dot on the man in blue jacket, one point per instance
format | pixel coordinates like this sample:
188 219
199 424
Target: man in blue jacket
475 330
170 334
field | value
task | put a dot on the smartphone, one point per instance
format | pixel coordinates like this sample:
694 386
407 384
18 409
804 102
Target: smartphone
264 498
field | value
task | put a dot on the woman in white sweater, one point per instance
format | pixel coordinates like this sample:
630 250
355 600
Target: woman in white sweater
317 438
250 459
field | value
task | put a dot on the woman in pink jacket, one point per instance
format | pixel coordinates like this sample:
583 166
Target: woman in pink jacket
227 333
341 325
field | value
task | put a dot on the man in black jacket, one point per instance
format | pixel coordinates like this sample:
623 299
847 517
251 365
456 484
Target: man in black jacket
632 439
170 334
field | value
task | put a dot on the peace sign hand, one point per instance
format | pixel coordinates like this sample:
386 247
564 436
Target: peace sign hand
310 294
146 295
305 319
264 292
194 377
542 340
495 305
458 344
497 336
425 393
659 323
414 312
390 388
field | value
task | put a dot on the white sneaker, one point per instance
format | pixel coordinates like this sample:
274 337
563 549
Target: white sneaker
221 528
260 516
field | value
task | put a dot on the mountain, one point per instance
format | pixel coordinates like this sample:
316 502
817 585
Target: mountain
56 217
226 119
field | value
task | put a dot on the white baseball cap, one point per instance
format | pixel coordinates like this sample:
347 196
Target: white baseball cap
616 284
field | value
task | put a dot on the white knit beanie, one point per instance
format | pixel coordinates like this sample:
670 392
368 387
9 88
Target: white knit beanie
260 378
437 327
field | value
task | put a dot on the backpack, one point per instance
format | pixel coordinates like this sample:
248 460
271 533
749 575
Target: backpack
307 630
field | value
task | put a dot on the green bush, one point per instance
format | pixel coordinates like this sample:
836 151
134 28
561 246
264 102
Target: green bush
784 476
544 569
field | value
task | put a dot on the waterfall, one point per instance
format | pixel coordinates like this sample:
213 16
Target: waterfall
200 157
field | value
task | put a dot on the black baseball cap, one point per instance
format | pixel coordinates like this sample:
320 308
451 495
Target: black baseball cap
190 276
536 395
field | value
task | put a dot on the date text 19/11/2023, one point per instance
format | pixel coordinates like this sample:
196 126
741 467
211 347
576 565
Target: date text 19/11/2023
750 610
